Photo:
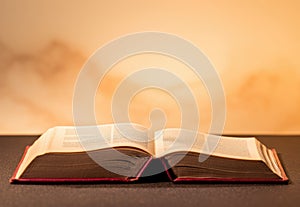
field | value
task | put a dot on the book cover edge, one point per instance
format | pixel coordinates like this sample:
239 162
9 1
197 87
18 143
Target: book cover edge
13 178
230 180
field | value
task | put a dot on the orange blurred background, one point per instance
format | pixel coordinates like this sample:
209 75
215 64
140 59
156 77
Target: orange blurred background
254 45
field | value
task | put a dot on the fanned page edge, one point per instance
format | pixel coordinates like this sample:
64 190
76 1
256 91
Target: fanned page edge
15 180
284 176
284 179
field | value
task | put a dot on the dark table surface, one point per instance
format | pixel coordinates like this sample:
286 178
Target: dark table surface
150 194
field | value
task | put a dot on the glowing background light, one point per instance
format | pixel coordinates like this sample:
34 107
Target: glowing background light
254 46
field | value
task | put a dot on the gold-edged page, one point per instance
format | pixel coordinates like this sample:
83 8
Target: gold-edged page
180 140
89 138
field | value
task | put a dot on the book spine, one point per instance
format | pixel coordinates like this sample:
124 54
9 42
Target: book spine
142 170
167 169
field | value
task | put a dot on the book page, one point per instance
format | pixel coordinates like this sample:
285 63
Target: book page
174 140
89 138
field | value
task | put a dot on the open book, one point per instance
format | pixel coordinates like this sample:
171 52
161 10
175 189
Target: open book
106 153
